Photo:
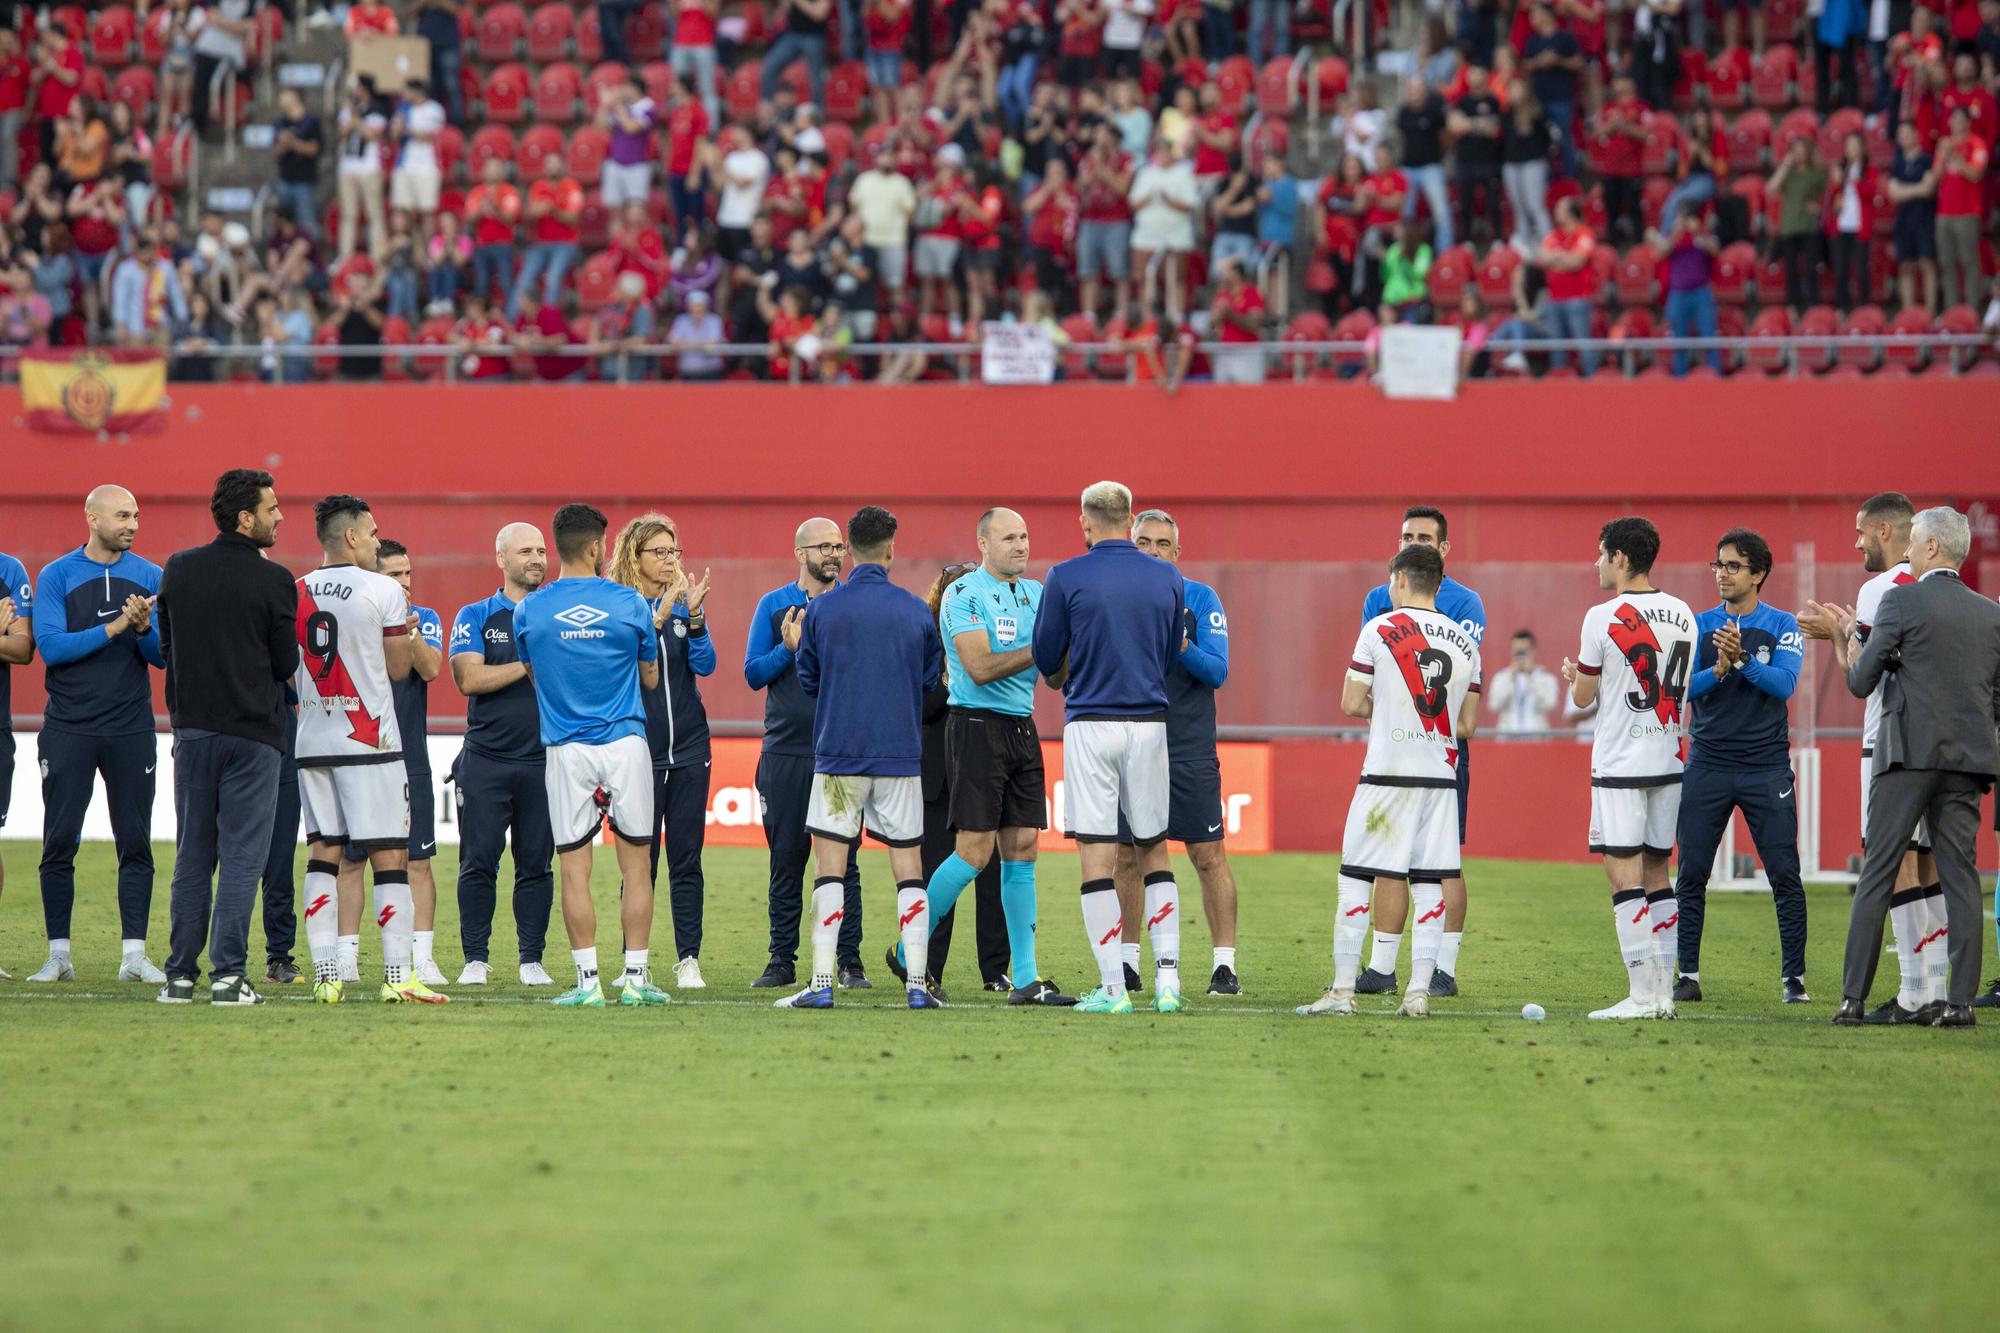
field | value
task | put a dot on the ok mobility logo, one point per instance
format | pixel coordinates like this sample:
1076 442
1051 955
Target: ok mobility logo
581 619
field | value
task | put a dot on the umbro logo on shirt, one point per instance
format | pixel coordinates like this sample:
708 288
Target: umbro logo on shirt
580 618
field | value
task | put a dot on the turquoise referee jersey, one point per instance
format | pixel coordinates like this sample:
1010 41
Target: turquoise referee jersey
1005 613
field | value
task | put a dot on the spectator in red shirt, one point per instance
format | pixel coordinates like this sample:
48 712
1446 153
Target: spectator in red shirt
13 107
96 218
789 321
1383 197
693 55
1104 226
543 330
636 243
1966 91
1236 315
1077 50
1216 139
1565 258
482 341
1962 160
492 211
980 210
371 18
1052 224
888 25
58 77
555 210
1847 213
689 124
1621 126
940 225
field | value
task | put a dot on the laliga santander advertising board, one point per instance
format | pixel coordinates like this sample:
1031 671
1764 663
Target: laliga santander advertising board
735 817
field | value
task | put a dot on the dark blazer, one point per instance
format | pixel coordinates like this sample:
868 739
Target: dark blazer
228 623
1935 644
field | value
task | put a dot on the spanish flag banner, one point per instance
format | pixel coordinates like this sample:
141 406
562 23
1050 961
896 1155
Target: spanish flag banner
91 389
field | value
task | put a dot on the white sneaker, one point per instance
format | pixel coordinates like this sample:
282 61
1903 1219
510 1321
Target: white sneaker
1335 1002
350 969
687 974
475 974
427 972
1629 1007
56 969
140 968
1417 1004
5 975
533 974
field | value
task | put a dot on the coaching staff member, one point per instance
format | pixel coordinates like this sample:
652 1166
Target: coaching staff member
499 776
1746 665
94 630
784 764
228 621
17 648
1109 631
1937 643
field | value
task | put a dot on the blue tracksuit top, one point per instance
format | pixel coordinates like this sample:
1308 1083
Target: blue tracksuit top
1742 720
1116 615
771 667
868 653
98 686
1191 685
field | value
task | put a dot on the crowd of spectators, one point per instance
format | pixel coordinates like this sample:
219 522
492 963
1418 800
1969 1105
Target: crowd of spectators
1113 170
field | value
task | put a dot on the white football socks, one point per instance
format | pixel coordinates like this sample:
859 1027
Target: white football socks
1448 952
421 944
828 904
396 914
586 966
1635 941
133 949
635 963
1664 911
1103 923
1937 945
1350 928
58 948
914 923
1163 926
1128 953
1911 920
323 919
1383 958
1426 935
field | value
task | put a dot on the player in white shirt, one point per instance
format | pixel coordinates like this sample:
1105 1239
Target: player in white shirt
1635 659
1916 905
1415 676
353 642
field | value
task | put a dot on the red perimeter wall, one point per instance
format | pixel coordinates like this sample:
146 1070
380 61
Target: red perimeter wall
1289 497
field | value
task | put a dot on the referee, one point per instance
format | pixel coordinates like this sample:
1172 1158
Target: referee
1109 631
1746 666
94 630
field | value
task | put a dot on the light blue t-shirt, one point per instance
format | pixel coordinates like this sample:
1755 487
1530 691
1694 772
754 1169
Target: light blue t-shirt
1006 612
584 638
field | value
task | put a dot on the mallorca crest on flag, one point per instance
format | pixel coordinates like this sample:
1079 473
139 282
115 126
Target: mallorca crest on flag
92 389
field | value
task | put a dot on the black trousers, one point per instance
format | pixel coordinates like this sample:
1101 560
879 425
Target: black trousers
939 842
1623 206
499 800
71 764
680 819
1710 797
281 920
1484 181
1850 270
1800 257
784 782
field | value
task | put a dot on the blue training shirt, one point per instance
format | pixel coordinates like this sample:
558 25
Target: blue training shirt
98 685
1201 670
412 698
504 724
1742 720
1005 613
771 667
584 638
13 583
1115 615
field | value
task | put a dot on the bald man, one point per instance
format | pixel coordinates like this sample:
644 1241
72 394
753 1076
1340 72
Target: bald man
785 765
498 778
94 630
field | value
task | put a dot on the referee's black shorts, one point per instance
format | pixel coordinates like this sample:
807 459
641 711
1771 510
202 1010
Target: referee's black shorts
995 761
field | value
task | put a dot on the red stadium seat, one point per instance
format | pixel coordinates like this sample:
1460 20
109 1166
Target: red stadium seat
558 94
594 223
1354 327
113 35
172 153
846 91
1693 80
1081 329
1771 323
471 88
1749 140
539 142
153 36
1274 87
136 87
1663 143
1270 136
72 20
551 32
396 333
657 78
506 95
450 147
1963 321
588 148
839 145
1309 327
96 85
596 281
1728 75
1331 74
741 92
757 25
1236 79
1604 268
1820 322
1771 78
1750 189
590 36
1735 277
267 34
1799 124
1496 277
434 332
500 31
1909 320
1653 201
1449 273
646 35
489 141
1781 19
1638 276
607 74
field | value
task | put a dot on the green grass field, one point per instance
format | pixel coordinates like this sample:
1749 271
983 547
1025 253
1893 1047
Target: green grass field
718 1164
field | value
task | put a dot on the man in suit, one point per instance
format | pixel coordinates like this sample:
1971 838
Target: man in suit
1938 644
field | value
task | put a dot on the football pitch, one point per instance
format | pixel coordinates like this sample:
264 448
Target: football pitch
718 1164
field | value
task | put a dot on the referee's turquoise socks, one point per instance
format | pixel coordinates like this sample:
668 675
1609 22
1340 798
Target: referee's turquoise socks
1017 899
947 882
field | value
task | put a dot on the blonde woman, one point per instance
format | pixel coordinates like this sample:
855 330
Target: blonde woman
647 557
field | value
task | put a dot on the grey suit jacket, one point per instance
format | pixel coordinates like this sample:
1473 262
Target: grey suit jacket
1936 646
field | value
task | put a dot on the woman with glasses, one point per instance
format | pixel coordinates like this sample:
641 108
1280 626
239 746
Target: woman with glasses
647 557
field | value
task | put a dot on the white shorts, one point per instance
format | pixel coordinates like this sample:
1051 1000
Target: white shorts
1920 837
1625 821
1111 766
414 190
1401 833
627 185
892 808
574 775
359 805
